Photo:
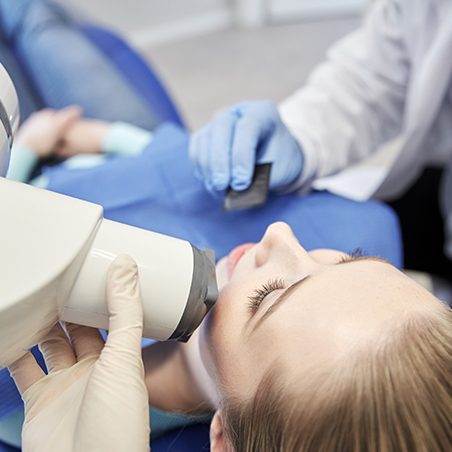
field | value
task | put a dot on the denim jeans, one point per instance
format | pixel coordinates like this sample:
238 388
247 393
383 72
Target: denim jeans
65 68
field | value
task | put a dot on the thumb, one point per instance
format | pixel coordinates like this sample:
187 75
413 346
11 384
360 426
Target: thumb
67 117
124 306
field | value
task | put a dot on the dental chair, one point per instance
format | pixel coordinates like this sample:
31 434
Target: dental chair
139 73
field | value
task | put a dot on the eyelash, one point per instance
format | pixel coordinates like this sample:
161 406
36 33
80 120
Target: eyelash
255 300
358 252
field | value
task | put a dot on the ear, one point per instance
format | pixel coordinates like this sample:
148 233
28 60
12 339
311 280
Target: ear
218 439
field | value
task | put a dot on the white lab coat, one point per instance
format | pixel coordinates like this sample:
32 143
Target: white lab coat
377 110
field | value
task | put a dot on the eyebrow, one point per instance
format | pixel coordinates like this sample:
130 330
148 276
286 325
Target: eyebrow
286 294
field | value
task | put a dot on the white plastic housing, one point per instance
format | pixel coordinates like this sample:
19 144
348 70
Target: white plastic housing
54 255
9 117
165 267
43 239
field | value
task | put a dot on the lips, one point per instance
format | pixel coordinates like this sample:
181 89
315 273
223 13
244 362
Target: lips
236 254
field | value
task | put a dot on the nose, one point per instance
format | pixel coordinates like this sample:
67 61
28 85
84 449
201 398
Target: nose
279 242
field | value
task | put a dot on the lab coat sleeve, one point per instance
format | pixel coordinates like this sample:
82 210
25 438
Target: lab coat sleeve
126 139
354 101
22 163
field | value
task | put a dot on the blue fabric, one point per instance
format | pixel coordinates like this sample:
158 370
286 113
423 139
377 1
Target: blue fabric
6 448
10 398
158 191
187 439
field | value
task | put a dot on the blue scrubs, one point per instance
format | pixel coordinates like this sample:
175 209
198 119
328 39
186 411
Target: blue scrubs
158 191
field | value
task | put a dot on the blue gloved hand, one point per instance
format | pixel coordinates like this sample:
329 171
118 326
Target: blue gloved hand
227 149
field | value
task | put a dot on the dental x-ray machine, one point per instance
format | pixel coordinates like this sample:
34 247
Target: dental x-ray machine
55 252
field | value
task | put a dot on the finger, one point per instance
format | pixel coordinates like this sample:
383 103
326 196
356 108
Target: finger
250 130
243 156
56 349
67 117
26 372
194 150
71 110
193 146
124 307
203 159
44 112
220 150
63 149
86 341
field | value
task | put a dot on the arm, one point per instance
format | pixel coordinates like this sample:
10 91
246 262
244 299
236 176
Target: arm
126 139
22 163
39 137
354 102
90 136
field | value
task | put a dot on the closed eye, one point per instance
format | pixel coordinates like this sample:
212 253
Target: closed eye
356 254
258 296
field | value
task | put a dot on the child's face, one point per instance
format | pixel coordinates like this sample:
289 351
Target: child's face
311 309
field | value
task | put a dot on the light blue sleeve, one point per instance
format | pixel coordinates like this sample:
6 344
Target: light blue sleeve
21 164
125 139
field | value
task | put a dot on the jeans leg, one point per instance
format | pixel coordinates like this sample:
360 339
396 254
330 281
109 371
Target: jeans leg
66 68
28 100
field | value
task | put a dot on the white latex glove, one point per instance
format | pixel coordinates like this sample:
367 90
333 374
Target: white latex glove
94 397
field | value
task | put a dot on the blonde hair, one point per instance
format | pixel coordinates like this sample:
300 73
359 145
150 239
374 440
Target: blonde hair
392 398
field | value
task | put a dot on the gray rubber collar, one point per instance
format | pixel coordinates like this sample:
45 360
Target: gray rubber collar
202 297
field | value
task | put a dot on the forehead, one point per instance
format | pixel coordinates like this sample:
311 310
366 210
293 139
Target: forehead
348 282
344 301
366 286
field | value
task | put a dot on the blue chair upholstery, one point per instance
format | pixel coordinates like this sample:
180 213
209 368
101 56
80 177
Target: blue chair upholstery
187 439
5 448
139 73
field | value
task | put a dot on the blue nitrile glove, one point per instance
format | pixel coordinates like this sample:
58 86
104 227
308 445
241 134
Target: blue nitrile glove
226 150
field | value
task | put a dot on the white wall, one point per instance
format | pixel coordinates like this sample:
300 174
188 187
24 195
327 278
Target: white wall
138 14
255 13
151 22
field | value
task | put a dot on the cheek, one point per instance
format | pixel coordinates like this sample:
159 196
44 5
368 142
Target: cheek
226 319
221 334
217 330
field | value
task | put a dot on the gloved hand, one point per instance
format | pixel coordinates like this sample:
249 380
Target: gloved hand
94 397
227 149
